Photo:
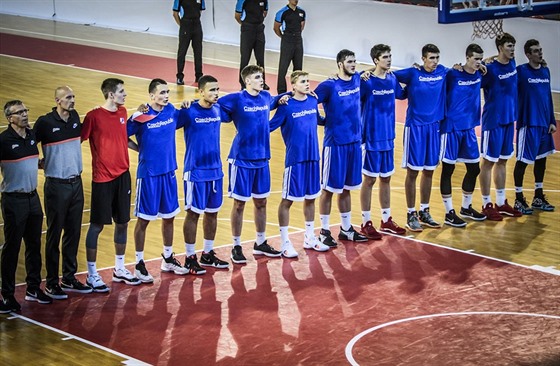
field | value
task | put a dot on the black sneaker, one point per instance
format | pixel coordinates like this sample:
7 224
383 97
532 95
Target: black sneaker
37 295
452 219
55 292
265 249
426 219
75 286
237 255
9 304
540 203
142 273
351 235
522 206
472 214
326 238
210 260
180 82
191 264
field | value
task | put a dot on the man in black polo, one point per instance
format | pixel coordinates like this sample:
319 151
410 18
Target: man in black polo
250 15
288 25
187 16
21 207
59 135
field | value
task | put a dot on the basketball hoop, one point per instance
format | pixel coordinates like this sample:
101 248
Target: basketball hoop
487 28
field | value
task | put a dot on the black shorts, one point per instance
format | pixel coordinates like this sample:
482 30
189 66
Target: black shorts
111 201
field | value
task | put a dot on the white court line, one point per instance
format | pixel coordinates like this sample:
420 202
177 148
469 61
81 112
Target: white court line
67 336
353 341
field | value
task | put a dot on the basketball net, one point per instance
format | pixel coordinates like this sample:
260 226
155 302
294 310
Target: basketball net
487 28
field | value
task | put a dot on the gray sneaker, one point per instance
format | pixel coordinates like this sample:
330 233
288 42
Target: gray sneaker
427 220
412 222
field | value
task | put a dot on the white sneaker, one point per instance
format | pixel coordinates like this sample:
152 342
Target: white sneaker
171 264
96 283
142 273
124 275
288 250
315 244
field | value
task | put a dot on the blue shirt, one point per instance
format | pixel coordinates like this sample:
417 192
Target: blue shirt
535 97
341 101
202 139
426 94
463 101
298 121
500 95
378 111
156 141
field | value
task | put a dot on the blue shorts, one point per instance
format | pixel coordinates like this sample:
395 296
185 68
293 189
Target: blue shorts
378 163
497 143
342 167
201 197
459 146
301 181
421 147
534 143
245 183
157 197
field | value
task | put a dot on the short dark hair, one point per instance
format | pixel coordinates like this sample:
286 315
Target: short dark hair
473 48
429 48
110 86
503 39
378 50
530 43
250 70
343 55
154 84
205 79
9 105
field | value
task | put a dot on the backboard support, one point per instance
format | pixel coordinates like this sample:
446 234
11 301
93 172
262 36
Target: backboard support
459 11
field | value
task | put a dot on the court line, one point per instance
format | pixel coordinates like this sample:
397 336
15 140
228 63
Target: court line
350 345
67 336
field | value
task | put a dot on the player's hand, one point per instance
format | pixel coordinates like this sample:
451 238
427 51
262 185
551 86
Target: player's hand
42 163
458 67
143 108
333 77
365 75
543 63
416 65
483 69
551 128
313 94
284 99
489 60
186 103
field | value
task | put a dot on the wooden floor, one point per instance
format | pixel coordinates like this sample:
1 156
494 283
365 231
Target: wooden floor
530 240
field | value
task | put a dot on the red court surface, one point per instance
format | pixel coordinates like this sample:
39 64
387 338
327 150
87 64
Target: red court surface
311 311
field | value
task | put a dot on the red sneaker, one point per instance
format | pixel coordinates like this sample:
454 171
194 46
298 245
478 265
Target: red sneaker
392 227
507 210
491 213
369 231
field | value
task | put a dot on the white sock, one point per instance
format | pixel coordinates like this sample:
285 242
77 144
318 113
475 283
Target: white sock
91 268
346 220
411 209
261 238
518 189
236 241
448 204
500 197
139 256
119 261
309 229
385 214
208 245
424 206
366 216
284 234
325 221
467 200
539 185
486 200
167 251
189 249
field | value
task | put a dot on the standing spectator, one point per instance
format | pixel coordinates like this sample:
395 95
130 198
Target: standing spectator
59 134
250 15
187 16
288 25
105 128
21 207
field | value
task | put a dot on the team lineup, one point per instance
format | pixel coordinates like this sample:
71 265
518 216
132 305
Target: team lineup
444 107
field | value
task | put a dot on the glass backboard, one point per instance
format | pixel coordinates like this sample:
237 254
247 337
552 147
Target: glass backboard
457 11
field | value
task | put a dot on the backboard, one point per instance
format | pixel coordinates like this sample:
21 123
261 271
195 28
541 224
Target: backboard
457 11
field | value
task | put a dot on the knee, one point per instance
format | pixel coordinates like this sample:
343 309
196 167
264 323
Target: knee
120 233
238 205
92 235
473 169
447 170
260 203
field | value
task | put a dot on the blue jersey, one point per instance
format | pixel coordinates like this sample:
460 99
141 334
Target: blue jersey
156 140
426 94
378 111
535 97
463 101
341 101
250 115
298 121
202 139
500 95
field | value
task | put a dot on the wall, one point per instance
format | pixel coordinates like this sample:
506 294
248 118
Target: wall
331 25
